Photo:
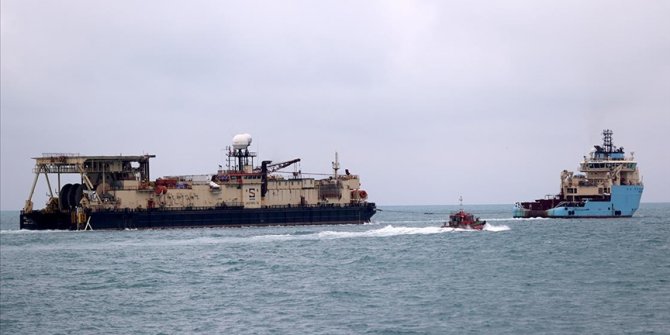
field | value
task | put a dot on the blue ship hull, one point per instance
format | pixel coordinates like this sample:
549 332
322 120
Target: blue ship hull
201 217
623 202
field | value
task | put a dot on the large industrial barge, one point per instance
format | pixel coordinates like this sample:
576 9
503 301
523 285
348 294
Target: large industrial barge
610 186
116 192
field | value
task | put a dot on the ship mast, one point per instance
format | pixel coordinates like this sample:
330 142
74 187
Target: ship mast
607 141
336 166
607 151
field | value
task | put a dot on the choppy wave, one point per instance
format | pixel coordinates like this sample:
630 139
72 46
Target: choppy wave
388 230
410 277
301 235
28 231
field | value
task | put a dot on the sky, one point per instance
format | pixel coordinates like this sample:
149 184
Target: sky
425 100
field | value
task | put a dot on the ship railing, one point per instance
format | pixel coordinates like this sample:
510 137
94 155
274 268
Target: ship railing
306 205
60 154
52 168
571 204
192 178
172 209
143 186
225 206
357 204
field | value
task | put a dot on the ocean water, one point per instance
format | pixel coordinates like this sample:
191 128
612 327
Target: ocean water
400 274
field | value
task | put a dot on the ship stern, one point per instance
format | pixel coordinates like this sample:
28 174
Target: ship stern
41 220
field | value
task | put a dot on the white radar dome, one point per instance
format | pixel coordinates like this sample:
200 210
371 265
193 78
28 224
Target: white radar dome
241 141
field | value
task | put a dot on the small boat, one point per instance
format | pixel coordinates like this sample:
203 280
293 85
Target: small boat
464 220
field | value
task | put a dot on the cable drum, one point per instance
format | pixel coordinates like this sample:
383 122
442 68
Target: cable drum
63 197
76 192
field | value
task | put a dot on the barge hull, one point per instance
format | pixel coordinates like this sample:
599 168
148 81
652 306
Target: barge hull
192 218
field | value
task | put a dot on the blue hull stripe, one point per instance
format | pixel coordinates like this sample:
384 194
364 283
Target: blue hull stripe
624 201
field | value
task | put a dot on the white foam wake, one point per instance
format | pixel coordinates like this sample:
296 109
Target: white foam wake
517 219
490 227
381 232
28 231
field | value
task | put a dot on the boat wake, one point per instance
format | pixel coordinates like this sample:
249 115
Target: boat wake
517 219
299 235
490 227
28 231
381 232
392 222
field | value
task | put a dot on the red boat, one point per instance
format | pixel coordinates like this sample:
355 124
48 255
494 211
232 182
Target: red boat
464 220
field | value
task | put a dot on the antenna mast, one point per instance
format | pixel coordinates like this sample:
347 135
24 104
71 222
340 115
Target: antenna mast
607 141
336 165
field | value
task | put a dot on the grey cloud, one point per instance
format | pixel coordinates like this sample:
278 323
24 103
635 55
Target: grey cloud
426 100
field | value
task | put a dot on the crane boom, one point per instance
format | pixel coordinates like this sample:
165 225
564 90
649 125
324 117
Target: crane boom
278 166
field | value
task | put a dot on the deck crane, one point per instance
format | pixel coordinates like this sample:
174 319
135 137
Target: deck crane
270 168
266 168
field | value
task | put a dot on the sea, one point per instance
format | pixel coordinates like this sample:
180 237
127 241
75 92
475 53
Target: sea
400 274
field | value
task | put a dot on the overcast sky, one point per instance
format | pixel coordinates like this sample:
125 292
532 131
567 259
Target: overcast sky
425 100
